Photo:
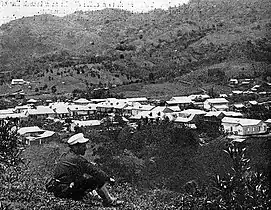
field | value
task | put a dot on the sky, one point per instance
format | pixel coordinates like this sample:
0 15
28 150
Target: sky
15 9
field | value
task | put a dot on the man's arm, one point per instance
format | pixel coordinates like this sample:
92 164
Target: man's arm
93 170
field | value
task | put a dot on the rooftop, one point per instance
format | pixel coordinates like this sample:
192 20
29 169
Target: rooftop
241 121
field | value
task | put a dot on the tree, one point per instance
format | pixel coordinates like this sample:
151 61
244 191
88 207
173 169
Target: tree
53 89
9 144
151 77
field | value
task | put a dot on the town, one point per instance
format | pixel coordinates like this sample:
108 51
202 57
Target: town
244 112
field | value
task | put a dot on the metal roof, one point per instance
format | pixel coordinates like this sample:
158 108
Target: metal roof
217 100
241 121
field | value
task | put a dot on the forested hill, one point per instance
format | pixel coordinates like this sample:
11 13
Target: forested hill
167 43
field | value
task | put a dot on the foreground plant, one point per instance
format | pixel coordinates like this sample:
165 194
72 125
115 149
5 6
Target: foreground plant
243 188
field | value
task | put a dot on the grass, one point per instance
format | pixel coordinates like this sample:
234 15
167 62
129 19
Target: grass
23 186
210 159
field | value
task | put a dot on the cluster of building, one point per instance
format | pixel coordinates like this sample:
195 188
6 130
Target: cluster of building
249 87
183 110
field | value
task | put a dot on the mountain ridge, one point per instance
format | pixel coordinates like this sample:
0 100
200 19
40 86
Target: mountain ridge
168 43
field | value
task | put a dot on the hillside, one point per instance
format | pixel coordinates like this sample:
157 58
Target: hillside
151 166
225 34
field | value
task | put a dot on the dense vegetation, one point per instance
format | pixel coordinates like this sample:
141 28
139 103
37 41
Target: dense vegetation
152 166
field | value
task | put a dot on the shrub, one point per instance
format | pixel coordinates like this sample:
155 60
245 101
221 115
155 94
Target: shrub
243 188
10 149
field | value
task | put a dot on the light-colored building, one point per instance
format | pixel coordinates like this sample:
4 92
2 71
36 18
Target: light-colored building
82 101
158 112
40 112
238 106
18 82
216 104
233 82
35 135
20 116
80 110
243 126
21 109
85 123
140 100
182 101
60 109
188 120
135 109
199 97
232 114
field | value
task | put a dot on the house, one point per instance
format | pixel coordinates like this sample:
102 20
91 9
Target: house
6 111
85 124
255 88
142 100
245 83
18 82
34 135
105 108
233 82
29 130
21 109
32 101
252 103
17 95
248 92
198 115
20 116
175 108
238 107
96 101
76 111
111 105
81 101
182 101
232 114
199 97
194 111
158 112
113 120
190 117
114 105
243 126
216 104
237 92
60 109
135 109
41 112
10 113
214 116
223 95
188 120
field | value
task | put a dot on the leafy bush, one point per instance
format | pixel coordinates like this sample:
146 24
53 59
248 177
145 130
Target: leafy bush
150 156
243 188
10 146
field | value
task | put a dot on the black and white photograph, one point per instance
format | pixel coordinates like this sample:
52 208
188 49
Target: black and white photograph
135 104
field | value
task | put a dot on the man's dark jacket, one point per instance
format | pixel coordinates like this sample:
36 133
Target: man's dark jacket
74 175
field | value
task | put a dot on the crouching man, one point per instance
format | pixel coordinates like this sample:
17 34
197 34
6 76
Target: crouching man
74 176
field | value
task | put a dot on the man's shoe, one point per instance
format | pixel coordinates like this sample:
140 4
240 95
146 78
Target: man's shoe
113 203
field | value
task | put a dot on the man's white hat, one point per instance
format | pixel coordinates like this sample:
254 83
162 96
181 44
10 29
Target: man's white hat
77 138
